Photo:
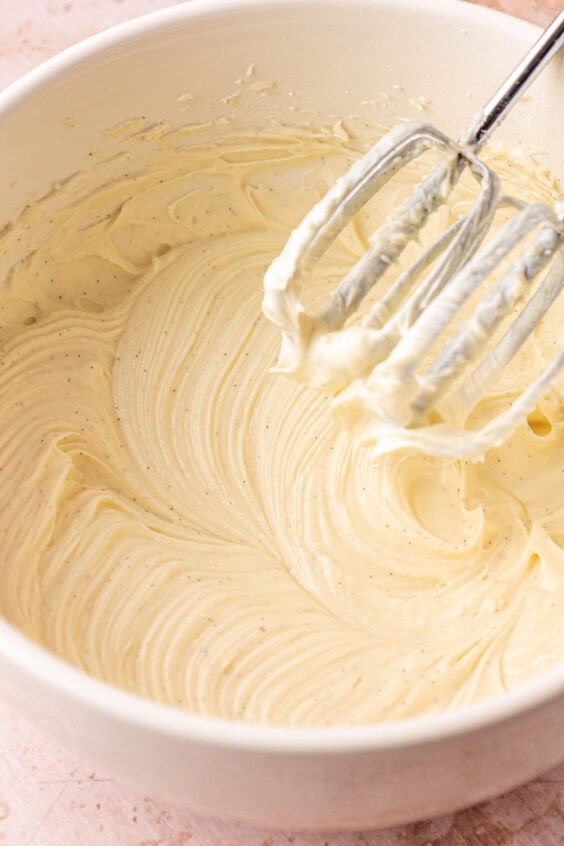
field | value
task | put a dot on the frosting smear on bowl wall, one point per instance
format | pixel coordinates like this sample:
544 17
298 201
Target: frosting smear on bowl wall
182 523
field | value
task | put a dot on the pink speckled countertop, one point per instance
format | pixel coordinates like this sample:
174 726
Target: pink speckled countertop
48 798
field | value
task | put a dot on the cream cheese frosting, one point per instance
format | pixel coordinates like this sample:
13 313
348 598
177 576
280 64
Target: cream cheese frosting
182 523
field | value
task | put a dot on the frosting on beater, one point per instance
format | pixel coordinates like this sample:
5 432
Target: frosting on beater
388 390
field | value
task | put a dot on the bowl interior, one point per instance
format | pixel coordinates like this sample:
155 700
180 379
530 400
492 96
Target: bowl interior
184 65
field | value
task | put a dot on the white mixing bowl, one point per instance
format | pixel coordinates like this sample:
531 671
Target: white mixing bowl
332 57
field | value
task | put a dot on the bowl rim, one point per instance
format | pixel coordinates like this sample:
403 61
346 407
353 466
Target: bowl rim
22 654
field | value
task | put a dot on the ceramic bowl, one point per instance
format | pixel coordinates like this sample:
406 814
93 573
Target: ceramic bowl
354 57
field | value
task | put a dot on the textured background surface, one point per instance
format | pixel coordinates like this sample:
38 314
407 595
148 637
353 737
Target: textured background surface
48 798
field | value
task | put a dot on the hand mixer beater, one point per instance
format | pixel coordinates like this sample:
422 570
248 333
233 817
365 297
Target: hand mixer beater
372 365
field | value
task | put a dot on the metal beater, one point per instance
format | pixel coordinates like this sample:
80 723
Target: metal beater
371 365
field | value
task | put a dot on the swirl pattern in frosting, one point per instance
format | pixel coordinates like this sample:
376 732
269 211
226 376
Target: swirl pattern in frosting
180 522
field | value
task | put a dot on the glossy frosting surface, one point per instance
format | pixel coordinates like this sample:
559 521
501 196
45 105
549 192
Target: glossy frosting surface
183 523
